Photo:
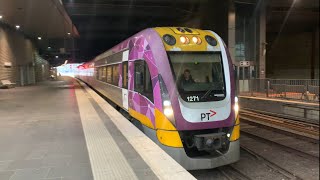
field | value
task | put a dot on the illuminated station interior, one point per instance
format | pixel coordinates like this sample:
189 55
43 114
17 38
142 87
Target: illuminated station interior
159 89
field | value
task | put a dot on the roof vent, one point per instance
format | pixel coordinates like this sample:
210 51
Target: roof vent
188 30
181 29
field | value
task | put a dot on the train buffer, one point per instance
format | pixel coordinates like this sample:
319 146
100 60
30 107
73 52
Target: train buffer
63 129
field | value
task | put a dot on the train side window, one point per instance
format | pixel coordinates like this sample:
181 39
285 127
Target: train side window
142 79
125 75
109 74
96 71
104 74
115 74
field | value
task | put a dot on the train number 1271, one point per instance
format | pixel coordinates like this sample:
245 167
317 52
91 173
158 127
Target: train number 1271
193 98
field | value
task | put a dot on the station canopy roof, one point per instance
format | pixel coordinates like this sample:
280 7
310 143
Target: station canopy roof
38 18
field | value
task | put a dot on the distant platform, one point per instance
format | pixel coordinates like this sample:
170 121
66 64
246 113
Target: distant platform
292 109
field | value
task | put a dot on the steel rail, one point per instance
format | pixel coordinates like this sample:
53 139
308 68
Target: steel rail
300 152
272 165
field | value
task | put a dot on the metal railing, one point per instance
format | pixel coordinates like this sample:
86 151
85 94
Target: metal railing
295 89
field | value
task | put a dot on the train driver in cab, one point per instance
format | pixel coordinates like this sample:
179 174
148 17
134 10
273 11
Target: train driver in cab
185 79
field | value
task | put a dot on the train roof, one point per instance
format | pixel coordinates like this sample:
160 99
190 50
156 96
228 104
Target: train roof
176 32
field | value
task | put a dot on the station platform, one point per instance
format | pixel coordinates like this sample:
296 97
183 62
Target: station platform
292 109
62 129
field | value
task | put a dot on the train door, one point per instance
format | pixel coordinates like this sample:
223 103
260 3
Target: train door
125 80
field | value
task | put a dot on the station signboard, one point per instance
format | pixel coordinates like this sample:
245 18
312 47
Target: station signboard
244 63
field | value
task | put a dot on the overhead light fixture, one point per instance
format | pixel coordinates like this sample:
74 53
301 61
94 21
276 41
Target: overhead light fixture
39 38
57 57
49 47
69 33
17 27
1 16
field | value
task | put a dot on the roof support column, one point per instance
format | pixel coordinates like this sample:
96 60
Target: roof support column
232 30
261 33
315 54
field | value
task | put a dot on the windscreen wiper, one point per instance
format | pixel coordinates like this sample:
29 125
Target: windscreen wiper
207 93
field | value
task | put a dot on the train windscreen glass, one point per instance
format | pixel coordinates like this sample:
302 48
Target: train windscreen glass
199 75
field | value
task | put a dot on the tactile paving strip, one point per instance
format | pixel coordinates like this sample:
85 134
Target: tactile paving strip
107 161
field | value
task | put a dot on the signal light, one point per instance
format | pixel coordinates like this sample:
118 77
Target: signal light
212 41
196 40
169 39
184 40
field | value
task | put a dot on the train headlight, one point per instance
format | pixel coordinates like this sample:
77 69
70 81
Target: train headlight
236 105
212 41
169 39
167 108
196 40
166 103
184 40
235 134
168 111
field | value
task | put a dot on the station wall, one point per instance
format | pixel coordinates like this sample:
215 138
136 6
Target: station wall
19 58
293 56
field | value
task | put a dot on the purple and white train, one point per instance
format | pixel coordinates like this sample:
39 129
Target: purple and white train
177 85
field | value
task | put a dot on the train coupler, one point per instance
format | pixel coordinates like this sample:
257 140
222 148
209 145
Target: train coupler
210 142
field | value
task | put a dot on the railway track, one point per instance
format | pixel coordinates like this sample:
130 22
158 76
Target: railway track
308 155
272 165
308 130
231 173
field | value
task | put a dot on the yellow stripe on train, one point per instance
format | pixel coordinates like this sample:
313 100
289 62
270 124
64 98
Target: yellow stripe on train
166 133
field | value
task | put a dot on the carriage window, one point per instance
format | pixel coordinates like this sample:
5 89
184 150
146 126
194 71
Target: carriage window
125 74
102 73
115 74
109 74
142 79
99 73
96 73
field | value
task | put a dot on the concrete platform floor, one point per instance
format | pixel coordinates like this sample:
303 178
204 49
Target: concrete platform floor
62 130
41 135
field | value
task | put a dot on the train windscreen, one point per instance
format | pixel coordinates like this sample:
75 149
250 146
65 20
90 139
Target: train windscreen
199 75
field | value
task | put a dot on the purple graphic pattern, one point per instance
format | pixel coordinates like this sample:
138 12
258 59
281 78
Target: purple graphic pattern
139 49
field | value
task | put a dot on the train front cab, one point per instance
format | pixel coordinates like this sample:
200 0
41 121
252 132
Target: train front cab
199 123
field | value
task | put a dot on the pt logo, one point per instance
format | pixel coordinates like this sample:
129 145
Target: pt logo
206 116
